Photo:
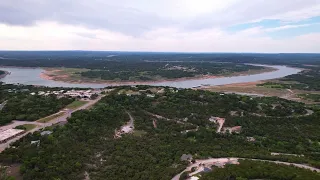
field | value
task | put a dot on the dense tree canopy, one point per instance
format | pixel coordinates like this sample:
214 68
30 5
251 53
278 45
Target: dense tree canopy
19 104
30 108
87 144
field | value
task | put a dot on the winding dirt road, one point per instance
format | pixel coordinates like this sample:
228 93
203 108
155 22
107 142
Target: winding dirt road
228 159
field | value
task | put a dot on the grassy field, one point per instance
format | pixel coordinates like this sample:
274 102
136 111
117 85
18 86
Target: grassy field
76 104
49 118
27 127
65 74
139 133
66 71
249 88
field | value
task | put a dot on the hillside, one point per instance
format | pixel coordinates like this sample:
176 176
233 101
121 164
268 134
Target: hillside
166 123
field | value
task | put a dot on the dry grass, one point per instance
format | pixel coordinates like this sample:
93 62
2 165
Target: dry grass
76 104
49 118
248 88
29 127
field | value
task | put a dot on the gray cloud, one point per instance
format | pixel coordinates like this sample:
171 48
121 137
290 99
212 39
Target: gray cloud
245 11
120 17
92 14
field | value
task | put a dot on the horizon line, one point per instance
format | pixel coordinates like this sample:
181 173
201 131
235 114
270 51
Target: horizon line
182 52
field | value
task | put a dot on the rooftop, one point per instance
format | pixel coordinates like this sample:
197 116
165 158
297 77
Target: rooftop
45 133
9 133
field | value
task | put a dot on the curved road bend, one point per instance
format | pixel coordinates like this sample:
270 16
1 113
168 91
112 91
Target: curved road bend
43 125
210 161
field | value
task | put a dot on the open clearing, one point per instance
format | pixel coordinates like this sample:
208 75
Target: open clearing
49 118
76 104
64 74
139 133
252 88
29 127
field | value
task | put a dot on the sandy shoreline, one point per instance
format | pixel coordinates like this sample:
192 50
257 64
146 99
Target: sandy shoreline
245 84
49 75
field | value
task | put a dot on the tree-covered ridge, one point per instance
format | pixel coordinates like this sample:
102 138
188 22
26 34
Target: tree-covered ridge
18 103
137 69
205 104
260 170
153 150
308 80
142 71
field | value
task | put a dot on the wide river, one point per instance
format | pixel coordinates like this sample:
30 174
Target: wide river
31 76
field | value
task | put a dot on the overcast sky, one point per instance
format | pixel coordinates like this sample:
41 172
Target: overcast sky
161 25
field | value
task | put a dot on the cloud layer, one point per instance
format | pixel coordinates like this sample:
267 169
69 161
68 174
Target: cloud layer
167 25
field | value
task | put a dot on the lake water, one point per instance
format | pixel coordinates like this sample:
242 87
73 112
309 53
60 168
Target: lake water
31 76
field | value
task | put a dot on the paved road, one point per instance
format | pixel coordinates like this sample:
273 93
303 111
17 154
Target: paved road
42 125
227 159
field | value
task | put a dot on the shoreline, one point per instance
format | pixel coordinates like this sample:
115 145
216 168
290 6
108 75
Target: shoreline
4 75
47 76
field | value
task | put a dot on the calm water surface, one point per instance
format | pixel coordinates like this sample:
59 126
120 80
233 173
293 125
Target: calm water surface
31 76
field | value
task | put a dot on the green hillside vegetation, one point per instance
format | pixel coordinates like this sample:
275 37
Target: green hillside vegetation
87 144
308 80
312 97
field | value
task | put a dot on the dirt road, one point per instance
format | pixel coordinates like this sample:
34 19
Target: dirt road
42 125
221 123
131 122
2 105
234 159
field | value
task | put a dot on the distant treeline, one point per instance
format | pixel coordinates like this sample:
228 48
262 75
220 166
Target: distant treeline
57 58
114 70
141 67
